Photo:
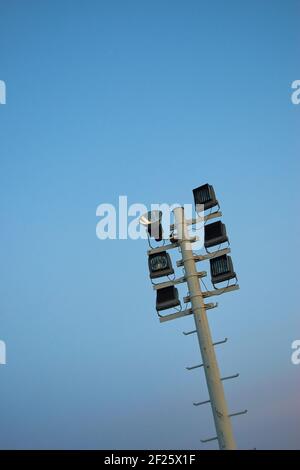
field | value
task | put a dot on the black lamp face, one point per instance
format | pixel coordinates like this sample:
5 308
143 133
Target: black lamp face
219 265
167 298
160 265
205 196
213 230
202 194
221 269
214 234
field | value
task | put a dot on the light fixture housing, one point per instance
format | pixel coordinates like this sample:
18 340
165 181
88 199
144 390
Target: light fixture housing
152 221
167 297
214 234
205 196
160 264
221 269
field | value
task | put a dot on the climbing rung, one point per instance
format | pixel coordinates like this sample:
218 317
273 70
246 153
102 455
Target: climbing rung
230 377
238 413
194 367
209 439
201 403
220 342
186 333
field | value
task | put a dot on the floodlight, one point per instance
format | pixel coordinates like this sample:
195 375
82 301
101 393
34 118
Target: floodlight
214 234
152 221
167 297
205 195
160 265
221 269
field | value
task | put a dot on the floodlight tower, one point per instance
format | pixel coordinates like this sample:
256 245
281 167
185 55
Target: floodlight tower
210 365
221 269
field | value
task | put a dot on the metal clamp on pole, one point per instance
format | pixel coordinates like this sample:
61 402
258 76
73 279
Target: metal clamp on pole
179 280
199 219
197 258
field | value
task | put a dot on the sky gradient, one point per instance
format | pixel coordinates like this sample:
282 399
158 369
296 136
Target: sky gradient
149 100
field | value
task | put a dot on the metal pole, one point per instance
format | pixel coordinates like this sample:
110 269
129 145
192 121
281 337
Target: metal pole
212 373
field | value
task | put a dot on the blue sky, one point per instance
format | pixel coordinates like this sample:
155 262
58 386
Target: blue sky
149 100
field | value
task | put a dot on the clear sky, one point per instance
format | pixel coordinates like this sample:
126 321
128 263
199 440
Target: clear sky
149 100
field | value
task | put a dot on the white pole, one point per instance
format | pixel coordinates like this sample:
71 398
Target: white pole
212 373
